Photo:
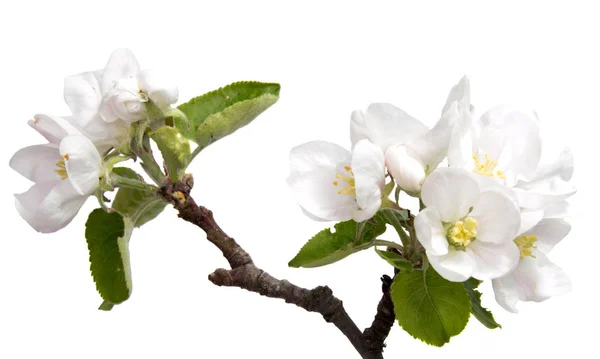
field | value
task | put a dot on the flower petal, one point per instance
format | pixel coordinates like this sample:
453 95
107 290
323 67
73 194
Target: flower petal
50 128
545 193
82 162
358 128
406 167
529 218
363 213
83 94
549 232
452 191
317 155
456 266
389 125
534 279
368 167
493 260
462 140
37 163
121 65
498 217
460 93
431 233
161 91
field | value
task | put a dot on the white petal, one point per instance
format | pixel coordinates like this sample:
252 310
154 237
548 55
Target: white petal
493 260
559 209
549 232
545 193
82 162
161 91
28 202
456 266
463 138
452 191
498 217
555 163
431 233
317 155
121 65
50 128
529 218
358 128
534 279
37 163
432 147
406 167
460 93
368 166
83 94
364 213
389 125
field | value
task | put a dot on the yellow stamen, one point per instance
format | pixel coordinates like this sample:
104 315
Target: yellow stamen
487 168
462 233
351 189
526 245
335 183
62 170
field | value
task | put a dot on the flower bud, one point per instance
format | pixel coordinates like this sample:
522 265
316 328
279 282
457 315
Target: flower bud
406 167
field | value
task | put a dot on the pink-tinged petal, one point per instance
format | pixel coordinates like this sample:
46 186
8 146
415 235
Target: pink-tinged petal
456 266
452 191
83 94
161 91
431 232
82 162
50 128
549 232
534 279
317 155
27 203
358 128
406 167
368 167
121 65
37 163
493 260
389 125
498 217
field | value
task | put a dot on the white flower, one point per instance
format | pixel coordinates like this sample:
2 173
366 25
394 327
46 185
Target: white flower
465 231
535 278
334 184
105 102
411 149
65 173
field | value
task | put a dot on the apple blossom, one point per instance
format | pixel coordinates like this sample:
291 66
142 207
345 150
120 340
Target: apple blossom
65 173
467 232
332 183
535 278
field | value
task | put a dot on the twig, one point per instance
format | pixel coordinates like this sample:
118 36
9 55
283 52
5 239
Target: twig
376 334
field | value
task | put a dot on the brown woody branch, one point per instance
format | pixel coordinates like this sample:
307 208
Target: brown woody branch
245 274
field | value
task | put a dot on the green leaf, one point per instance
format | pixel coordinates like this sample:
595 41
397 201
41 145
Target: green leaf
219 113
140 206
395 260
429 307
175 150
107 236
482 314
327 247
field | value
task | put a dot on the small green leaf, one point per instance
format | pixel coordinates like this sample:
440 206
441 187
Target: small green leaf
219 113
429 307
482 314
397 194
327 247
395 260
107 236
140 206
175 150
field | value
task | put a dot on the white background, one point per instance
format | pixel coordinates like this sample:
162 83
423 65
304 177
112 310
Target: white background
330 59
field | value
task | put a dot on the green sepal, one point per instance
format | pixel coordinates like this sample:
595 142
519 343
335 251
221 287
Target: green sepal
139 206
429 307
175 151
219 113
395 260
327 247
484 316
107 236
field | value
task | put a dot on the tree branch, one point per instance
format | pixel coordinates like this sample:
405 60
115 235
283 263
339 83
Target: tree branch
245 274
375 335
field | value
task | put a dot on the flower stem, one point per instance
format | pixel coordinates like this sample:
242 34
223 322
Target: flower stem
149 164
382 242
118 181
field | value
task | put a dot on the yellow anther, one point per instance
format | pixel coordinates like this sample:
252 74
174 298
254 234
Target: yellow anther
462 233
351 189
526 245
487 168
62 170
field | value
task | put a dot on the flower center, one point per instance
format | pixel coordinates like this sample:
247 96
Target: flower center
488 168
526 244
462 233
347 177
62 170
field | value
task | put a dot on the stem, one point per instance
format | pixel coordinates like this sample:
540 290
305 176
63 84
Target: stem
382 242
118 181
149 164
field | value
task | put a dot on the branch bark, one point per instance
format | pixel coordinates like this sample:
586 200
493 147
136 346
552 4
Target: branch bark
246 275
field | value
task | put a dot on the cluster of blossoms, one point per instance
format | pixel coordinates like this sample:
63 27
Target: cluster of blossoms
493 211
75 163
